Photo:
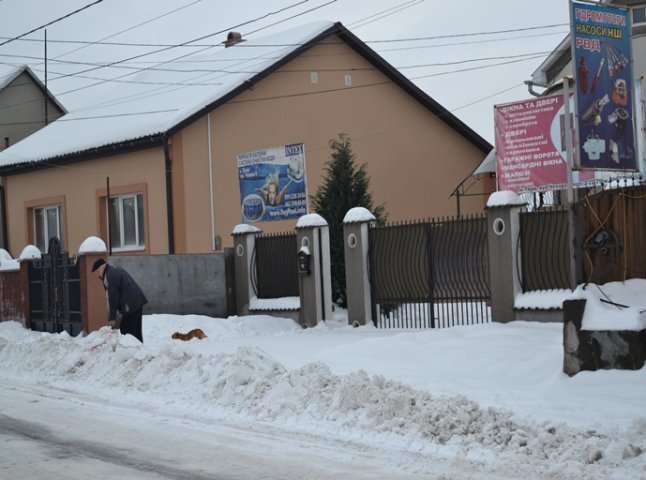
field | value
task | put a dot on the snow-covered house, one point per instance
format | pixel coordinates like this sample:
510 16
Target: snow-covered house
154 165
26 105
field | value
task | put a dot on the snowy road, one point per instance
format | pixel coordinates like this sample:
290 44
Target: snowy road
50 433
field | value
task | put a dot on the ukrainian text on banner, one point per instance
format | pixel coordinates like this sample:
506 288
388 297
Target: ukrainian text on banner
530 145
602 61
272 183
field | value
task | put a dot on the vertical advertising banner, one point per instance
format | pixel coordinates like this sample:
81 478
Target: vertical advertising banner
530 145
272 184
602 63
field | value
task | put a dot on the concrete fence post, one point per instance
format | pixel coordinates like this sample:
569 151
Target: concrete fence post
315 278
355 241
244 241
503 228
94 309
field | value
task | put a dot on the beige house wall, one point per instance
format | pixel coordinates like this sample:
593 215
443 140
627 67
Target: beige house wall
79 187
414 159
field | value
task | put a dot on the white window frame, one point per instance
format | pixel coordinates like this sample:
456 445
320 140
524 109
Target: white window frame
122 246
58 209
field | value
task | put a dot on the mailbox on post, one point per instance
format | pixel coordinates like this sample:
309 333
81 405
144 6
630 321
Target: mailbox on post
303 258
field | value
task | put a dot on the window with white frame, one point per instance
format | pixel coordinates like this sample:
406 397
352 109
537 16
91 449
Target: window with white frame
47 224
126 221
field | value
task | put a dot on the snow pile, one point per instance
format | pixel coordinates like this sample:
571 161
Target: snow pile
223 378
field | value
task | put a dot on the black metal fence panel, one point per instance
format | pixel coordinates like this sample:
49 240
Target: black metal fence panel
430 274
544 250
274 266
54 292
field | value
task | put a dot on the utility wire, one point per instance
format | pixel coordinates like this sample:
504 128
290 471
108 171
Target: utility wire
191 82
182 44
99 42
383 14
368 42
50 23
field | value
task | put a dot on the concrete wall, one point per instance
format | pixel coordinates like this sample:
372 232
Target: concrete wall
183 284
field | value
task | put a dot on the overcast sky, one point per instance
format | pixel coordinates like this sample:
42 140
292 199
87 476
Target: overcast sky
445 47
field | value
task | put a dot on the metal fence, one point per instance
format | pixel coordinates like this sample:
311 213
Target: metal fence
544 249
274 272
55 292
430 274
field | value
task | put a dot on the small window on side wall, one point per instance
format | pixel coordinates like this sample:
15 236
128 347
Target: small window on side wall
639 15
126 222
47 224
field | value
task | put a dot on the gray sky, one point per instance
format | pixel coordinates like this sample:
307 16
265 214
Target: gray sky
445 47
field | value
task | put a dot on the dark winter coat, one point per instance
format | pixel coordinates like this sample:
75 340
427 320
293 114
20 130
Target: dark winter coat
122 292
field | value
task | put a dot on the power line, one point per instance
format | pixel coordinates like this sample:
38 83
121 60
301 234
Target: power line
131 28
472 34
182 44
51 23
192 44
385 13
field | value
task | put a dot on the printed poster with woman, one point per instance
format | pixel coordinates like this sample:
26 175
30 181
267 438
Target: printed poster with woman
272 184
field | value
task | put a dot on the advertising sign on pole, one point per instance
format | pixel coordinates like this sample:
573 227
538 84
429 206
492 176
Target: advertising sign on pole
272 183
530 145
602 64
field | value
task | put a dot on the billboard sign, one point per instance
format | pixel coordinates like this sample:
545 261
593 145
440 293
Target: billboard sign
602 64
530 145
272 184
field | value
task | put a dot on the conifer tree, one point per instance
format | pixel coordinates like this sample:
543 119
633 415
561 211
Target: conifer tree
345 186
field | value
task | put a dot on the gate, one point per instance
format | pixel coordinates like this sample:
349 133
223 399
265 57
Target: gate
54 292
430 274
544 249
274 272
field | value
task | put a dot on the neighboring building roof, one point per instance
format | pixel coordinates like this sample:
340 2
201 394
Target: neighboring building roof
11 76
158 102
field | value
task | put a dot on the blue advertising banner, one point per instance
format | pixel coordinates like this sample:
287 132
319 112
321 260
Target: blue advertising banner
272 184
602 61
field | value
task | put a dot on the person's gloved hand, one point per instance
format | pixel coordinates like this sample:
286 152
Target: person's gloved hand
116 323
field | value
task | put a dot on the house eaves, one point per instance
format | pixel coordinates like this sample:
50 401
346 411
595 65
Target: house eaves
128 146
555 62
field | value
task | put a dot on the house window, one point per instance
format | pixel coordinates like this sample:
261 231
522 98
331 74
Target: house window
126 222
639 15
47 224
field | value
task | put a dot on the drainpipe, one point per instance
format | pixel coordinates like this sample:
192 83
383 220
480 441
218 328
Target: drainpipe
169 197
213 241
530 88
4 241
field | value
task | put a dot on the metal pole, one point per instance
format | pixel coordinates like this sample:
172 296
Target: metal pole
107 213
569 155
46 90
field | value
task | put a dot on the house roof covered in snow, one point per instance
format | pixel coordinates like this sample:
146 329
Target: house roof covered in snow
160 101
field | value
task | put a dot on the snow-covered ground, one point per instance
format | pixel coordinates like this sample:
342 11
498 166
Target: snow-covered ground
487 401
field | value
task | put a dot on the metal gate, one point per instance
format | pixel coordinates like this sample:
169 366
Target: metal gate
54 292
273 266
430 274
